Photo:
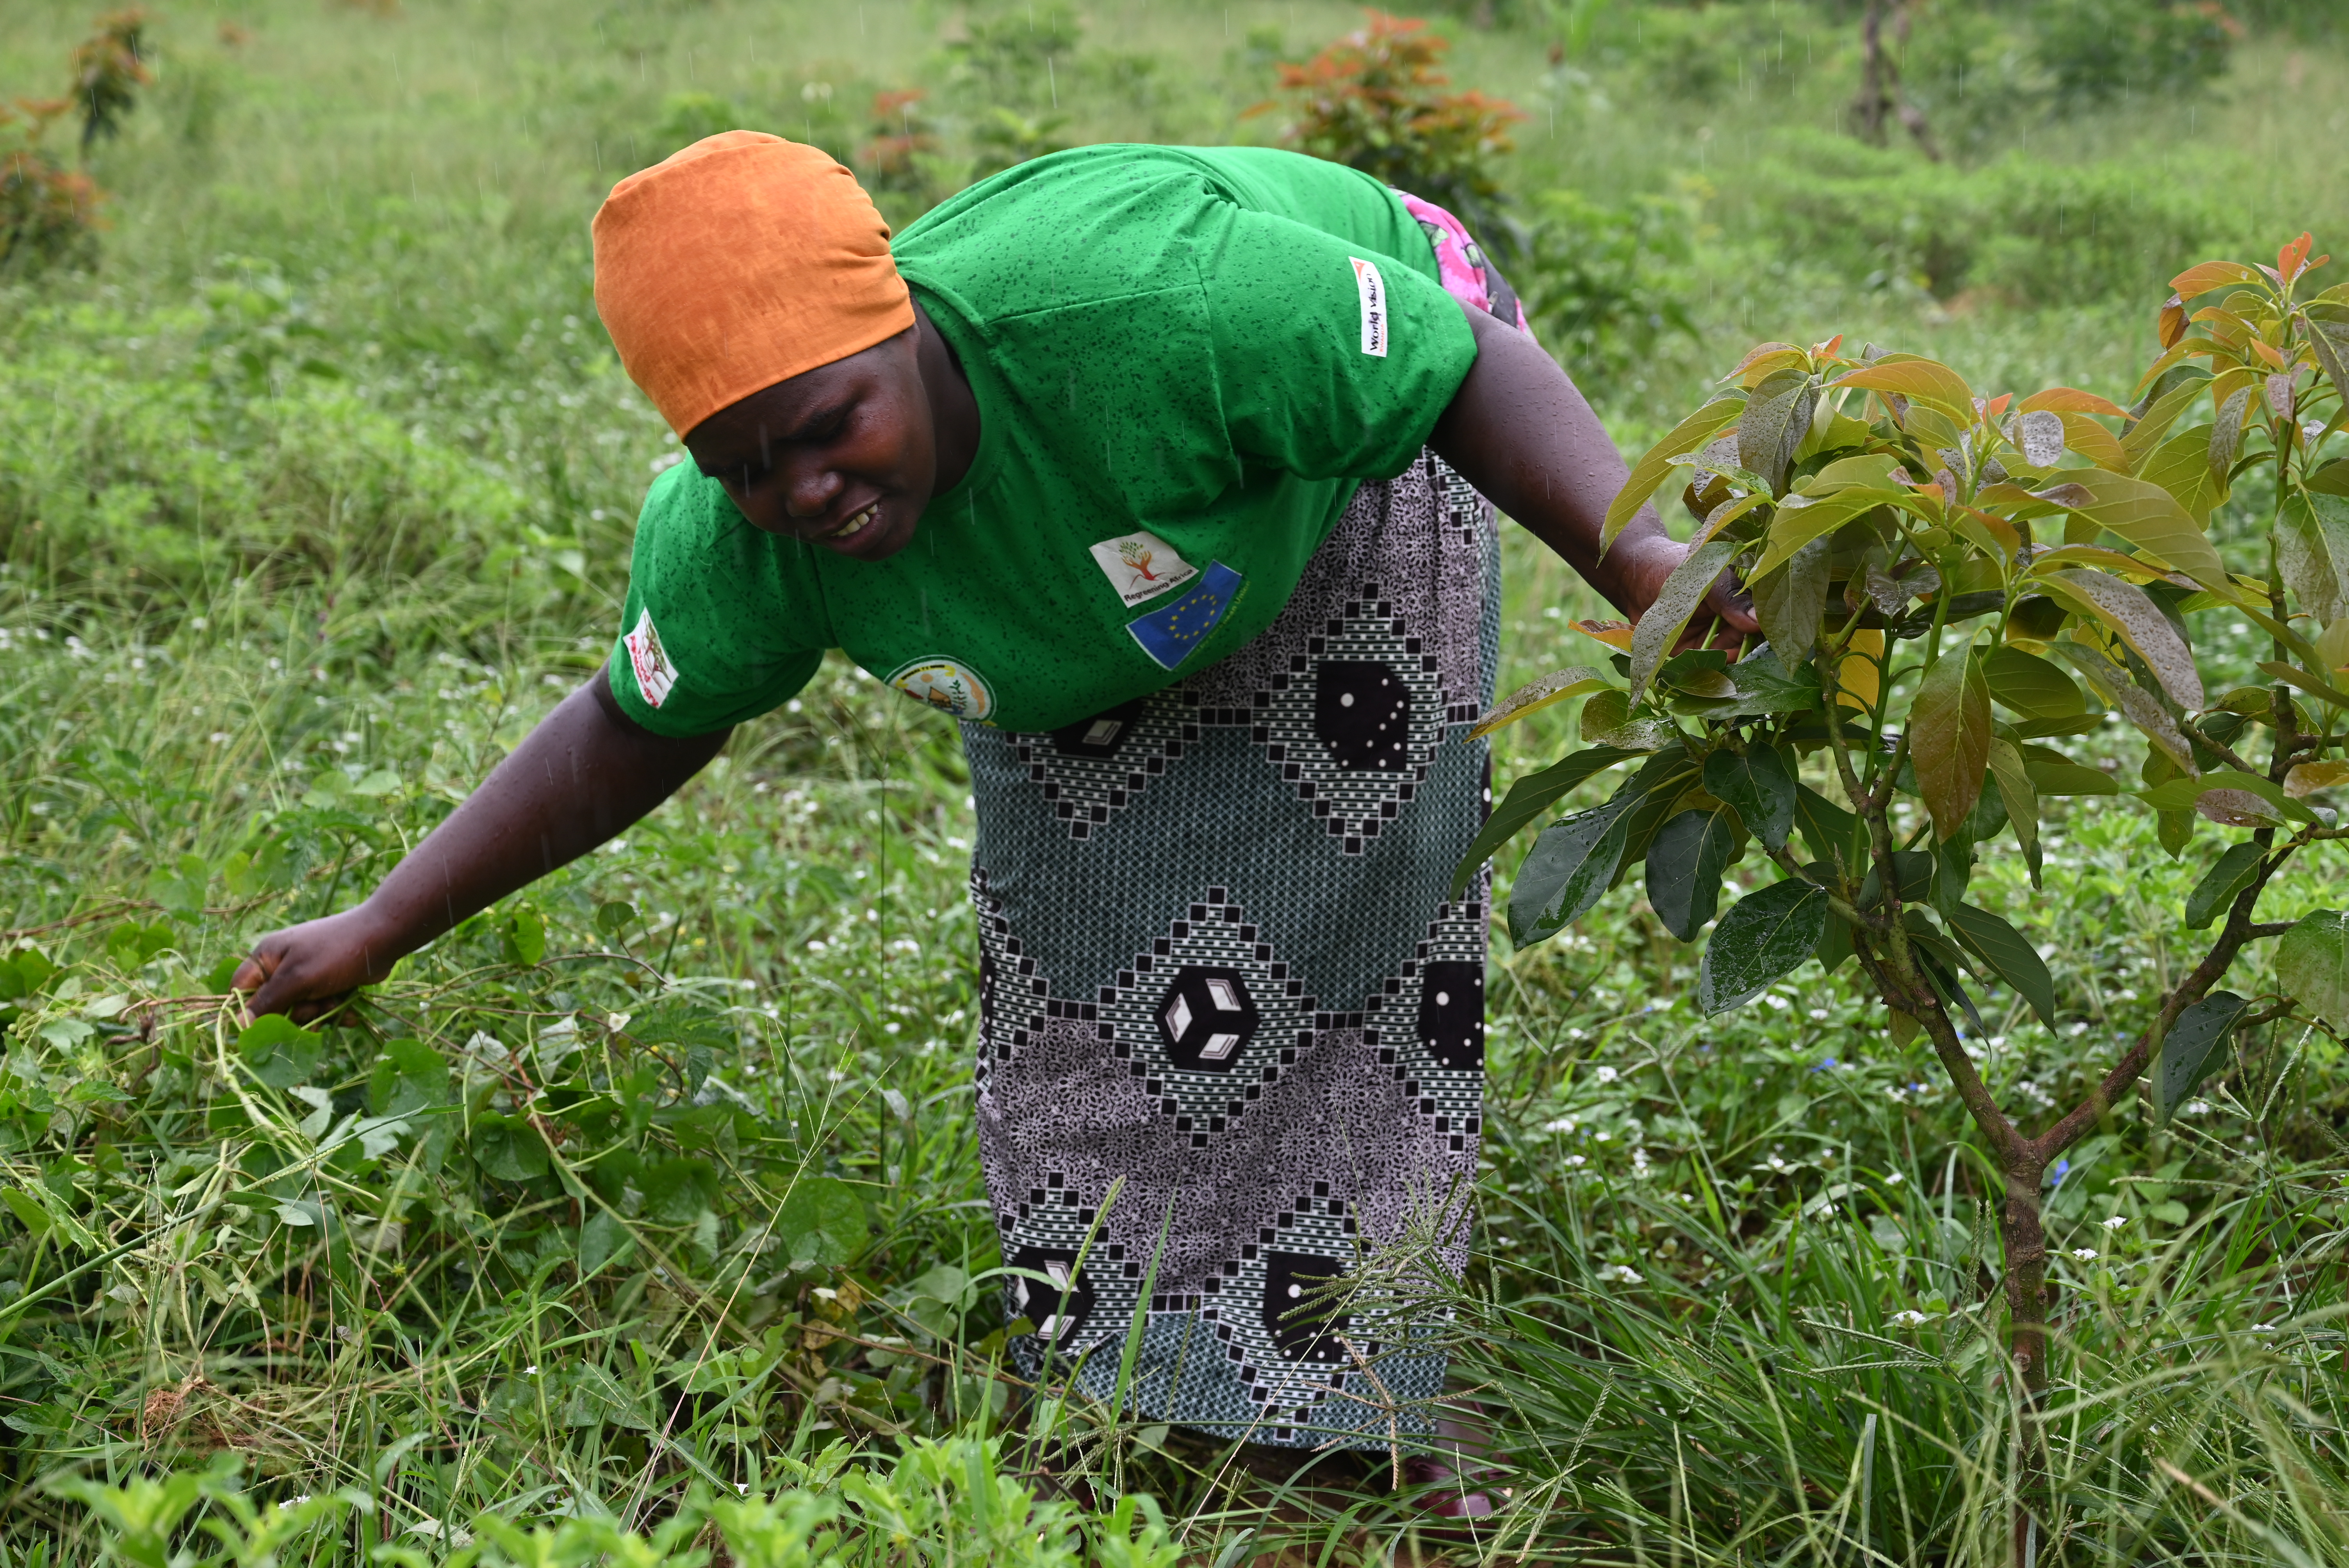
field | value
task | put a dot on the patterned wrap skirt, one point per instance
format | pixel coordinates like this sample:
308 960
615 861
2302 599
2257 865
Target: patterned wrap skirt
1220 963
1221 974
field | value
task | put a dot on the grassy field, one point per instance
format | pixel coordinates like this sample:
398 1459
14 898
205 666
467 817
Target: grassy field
316 491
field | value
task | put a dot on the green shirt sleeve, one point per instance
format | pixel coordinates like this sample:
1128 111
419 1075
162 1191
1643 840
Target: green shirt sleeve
1334 361
720 624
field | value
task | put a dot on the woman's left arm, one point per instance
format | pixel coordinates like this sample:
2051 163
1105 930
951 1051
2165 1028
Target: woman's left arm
1519 431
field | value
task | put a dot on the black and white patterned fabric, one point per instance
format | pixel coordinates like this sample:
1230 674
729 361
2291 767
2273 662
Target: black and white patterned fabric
1219 962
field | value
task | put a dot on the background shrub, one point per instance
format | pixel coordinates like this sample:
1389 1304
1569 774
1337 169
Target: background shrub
2037 232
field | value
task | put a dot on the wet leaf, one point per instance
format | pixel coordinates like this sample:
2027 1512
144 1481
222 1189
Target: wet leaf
2313 553
1575 680
2189 1052
2307 778
2131 613
1765 934
1759 787
2181 465
2328 339
1948 736
2312 965
2040 434
1676 603
1606 720
2009 955
1796 525
2029 685
1828 829
2227 875
1685 863
2146 434
1870 470
2020 797
1761 683
2236 808
1529 798
522 937
2225 437
2070 400
1649 472
2171 325
1777 414
2056 779
2180 793
1924 381
1569 868
2094 442
2147 517
2209 275
1789 603
1699 672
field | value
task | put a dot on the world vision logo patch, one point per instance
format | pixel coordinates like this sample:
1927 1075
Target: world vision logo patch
950 685
1141 565
1372 288
656 676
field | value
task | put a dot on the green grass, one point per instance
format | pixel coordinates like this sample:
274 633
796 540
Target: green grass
315 494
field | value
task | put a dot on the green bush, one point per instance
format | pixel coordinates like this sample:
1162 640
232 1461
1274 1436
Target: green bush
1603 286
2095 51
1016 58
2037 231
1702 53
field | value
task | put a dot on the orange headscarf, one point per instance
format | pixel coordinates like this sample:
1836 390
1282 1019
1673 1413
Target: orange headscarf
736 262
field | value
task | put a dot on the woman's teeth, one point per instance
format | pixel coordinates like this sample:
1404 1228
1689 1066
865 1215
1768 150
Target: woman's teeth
854 525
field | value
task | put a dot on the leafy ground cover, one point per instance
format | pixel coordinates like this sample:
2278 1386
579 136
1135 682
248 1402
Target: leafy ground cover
317 493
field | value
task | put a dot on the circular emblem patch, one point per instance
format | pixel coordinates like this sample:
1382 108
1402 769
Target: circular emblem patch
947 684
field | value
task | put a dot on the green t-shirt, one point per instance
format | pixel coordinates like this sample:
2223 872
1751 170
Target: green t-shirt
1185 360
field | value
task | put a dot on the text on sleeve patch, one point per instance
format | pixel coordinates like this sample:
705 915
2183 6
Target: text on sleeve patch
1373 289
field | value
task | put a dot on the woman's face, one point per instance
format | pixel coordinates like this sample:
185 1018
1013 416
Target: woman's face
843 455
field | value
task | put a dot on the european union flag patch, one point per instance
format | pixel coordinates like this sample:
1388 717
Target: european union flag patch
1169 633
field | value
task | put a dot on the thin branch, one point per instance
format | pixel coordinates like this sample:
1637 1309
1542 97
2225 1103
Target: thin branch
2233 936
1898 984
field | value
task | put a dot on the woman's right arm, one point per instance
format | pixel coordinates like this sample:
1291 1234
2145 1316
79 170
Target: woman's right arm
587 772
